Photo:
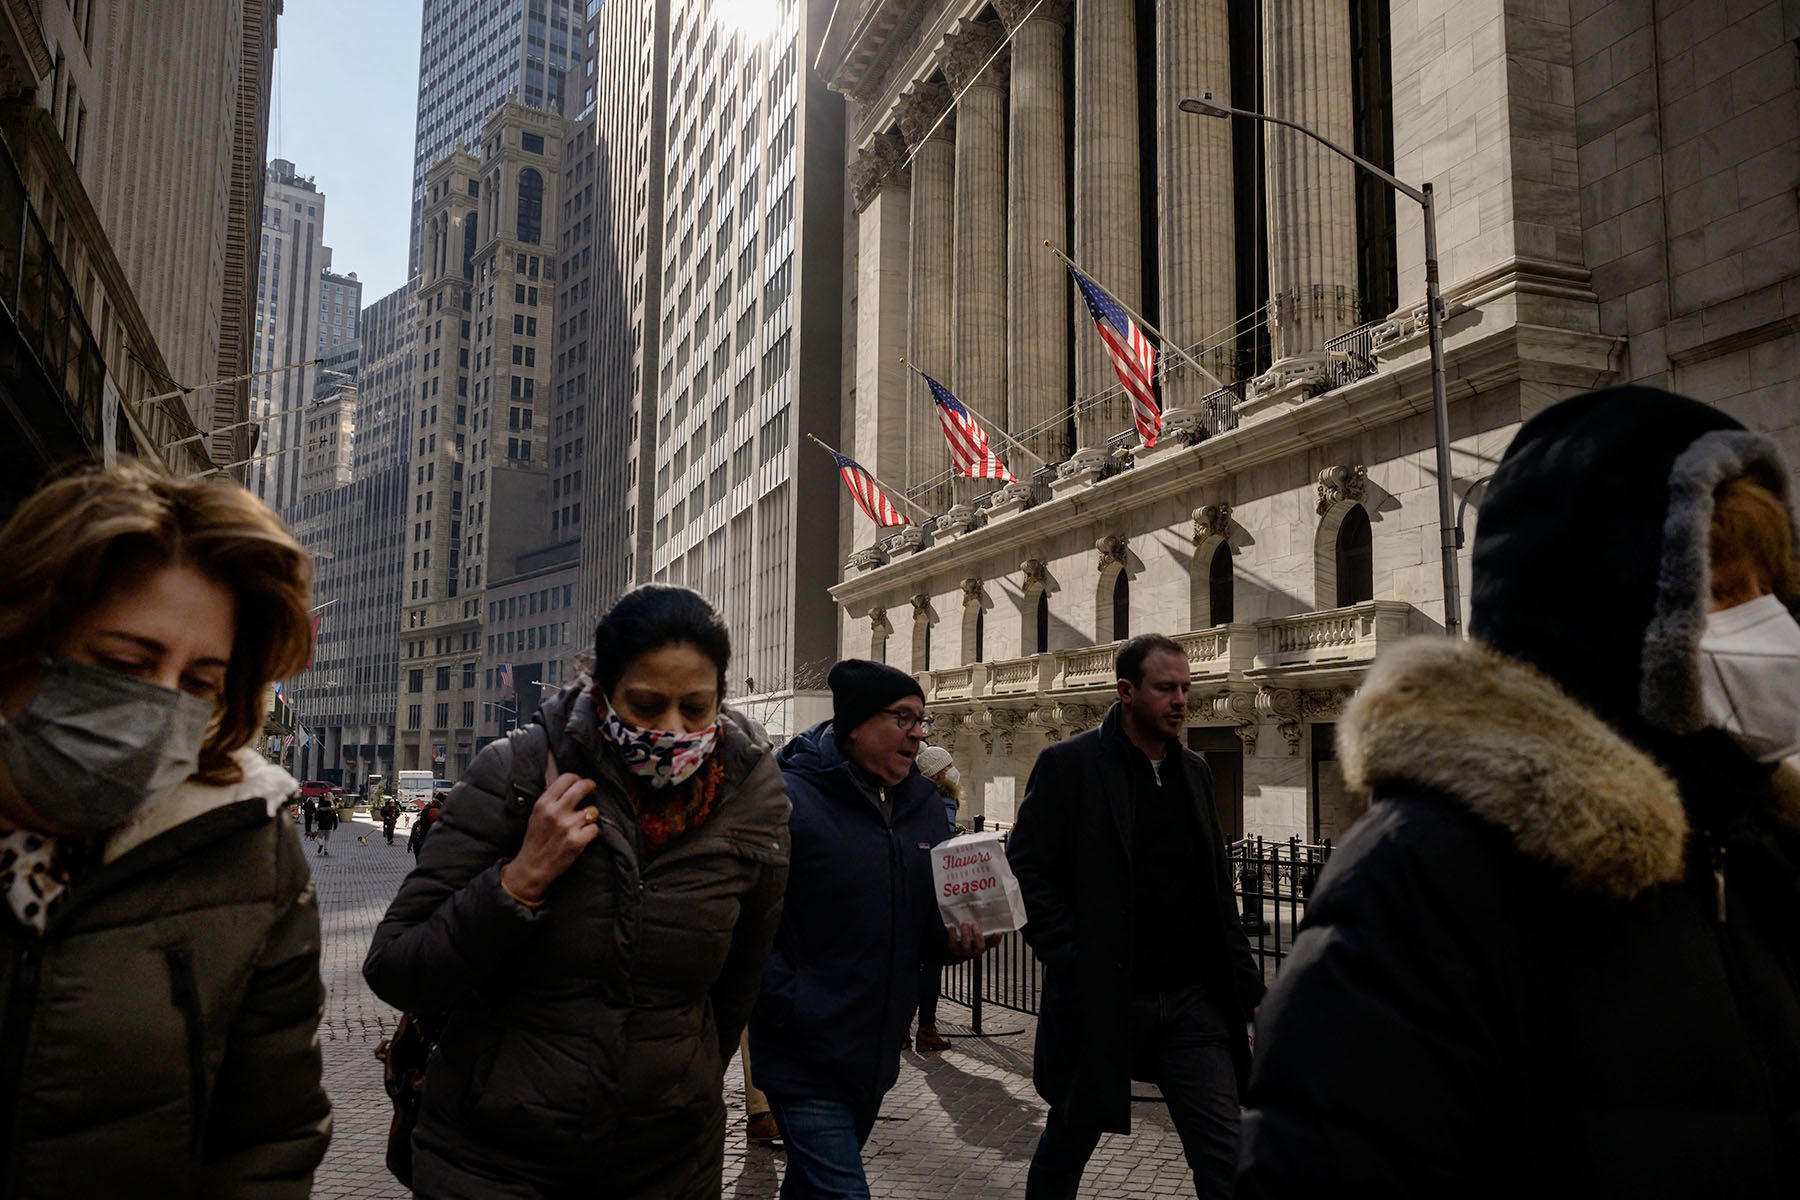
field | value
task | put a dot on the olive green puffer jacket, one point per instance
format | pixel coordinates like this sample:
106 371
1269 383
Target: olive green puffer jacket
159 1040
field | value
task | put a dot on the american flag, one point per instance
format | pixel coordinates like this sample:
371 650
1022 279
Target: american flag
968 440
867 493
503 676
1133 357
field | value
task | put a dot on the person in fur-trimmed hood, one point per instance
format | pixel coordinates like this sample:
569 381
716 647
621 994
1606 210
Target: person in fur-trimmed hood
1561 953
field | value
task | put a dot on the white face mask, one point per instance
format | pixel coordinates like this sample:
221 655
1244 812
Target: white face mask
1750 676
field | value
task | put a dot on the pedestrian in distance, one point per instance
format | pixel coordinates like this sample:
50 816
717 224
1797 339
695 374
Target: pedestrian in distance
861 917
1560 954
1129 905
159 941
390 816
309 811
327 821
591 913
936 765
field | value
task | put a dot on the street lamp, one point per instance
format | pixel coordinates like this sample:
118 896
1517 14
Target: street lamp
1206 106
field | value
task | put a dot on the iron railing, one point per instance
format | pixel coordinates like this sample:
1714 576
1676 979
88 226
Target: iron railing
1351 356
1272 881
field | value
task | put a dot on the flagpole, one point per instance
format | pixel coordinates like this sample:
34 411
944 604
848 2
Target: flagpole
997 427
929 516
1218 385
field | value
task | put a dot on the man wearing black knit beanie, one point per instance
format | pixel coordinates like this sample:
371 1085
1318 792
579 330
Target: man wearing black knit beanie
860 917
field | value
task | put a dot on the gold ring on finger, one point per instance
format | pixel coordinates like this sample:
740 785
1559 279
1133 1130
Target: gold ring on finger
592 815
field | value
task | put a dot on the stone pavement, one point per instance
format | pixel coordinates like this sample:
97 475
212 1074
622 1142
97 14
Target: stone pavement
963 1122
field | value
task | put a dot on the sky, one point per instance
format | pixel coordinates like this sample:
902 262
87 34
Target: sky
345 98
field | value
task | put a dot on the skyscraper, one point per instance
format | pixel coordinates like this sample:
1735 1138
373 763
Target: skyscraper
473 54
356 531
610 332
299 316
751 252
480 408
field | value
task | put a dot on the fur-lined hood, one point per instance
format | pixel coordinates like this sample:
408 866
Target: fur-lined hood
1500 737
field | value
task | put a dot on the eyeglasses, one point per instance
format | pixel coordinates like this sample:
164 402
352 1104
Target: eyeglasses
910 721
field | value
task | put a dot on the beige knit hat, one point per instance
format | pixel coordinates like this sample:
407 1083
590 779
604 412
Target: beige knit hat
932 760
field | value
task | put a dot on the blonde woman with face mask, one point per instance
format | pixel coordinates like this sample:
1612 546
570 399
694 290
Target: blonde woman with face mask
159 942
594 942
936 764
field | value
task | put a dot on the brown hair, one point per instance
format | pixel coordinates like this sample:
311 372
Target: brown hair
71 542
948 786
1752 544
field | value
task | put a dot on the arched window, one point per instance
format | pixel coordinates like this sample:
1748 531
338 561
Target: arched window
1121 607
531 205
1218 585
468 263
1355 559
980 636
1043 623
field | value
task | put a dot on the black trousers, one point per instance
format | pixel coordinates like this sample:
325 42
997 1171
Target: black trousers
1179 1043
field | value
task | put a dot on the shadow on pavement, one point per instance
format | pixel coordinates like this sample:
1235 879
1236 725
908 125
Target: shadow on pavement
983 1112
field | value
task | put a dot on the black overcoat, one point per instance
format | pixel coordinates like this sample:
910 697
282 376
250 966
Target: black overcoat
1071 852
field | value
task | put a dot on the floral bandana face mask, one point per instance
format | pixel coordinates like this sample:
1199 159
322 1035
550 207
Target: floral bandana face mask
661 758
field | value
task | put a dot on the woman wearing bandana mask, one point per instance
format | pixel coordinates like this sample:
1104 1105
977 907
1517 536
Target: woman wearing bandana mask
159 942
595 944
1560 955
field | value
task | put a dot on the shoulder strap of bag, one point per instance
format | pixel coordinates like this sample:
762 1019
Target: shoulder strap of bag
533 768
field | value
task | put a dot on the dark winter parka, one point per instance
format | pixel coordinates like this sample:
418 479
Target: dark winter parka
1071 852
586 1040
160 1038
1561 953
841 985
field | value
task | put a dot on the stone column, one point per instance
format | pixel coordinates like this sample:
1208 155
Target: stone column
1037 197
1108 224
1197 247
928 289
1311 191
978 337
880 185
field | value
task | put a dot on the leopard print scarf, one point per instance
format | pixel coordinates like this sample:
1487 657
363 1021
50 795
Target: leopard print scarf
35 873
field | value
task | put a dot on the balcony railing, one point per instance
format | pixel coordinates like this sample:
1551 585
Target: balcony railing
1340 635
1318 640
1351 356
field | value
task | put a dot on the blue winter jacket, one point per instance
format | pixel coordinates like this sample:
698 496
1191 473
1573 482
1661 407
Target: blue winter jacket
841 985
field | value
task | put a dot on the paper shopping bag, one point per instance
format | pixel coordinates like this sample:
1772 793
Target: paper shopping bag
974 882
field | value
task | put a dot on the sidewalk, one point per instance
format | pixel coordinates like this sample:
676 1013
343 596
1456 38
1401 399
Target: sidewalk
959 1123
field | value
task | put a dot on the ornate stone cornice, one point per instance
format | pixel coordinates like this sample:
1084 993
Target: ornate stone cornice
1113 549
919 109
1281 705
1212 520
967 51
882 161
1342 483
1016 12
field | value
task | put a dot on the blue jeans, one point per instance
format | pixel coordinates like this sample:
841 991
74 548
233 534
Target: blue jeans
1178 1043
824 1140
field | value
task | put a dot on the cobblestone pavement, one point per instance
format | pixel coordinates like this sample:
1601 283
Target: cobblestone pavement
963 1122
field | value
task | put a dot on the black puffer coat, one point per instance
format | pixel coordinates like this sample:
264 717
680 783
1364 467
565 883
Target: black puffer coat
1561 953
586 1040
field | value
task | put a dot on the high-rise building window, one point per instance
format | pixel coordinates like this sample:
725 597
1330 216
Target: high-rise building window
531 205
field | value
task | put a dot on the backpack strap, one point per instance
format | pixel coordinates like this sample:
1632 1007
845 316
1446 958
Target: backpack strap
533 767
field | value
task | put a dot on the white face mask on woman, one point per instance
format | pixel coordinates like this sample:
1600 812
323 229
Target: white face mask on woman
1750 676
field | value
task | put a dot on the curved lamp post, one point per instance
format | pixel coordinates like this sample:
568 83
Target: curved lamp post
1206 106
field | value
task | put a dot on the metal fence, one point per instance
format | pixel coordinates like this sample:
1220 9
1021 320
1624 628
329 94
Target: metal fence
1272 881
